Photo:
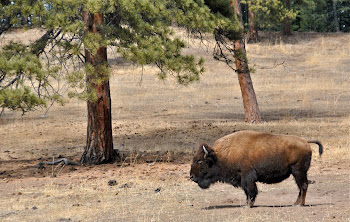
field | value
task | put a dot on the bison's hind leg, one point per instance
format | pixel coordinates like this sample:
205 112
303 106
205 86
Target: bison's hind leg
302 182
248 183
299 172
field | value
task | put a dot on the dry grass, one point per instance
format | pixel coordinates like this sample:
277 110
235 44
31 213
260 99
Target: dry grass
302 87
136 198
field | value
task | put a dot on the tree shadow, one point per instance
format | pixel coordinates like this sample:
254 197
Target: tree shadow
276 37
170 139
297 114
269 115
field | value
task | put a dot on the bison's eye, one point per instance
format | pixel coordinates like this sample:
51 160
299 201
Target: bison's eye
200 162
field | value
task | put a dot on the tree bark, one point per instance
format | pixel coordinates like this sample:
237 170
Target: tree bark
250 103
253 28
99 143
286 23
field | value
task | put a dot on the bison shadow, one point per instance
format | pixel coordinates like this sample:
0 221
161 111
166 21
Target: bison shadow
266 206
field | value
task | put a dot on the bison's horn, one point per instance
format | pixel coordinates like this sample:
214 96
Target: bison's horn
205 151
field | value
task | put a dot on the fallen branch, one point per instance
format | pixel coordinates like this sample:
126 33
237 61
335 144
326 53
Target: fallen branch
65 161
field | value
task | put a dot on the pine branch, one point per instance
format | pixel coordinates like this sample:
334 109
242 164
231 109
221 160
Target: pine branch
5 25
39 45
220 41
12 82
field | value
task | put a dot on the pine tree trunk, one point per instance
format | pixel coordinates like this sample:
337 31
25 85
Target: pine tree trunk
286 23
253 28
286 27
250 103
99 143
336 22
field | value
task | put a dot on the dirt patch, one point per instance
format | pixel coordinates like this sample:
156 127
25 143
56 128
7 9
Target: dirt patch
38 168
162 191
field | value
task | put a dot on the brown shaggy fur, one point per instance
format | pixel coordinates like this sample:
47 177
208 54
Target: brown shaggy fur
246 157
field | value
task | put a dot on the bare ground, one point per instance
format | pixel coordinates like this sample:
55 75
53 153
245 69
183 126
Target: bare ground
162 192
302 87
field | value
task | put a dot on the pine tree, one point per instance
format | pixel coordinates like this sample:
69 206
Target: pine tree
77 35
230 47
250 103
267 14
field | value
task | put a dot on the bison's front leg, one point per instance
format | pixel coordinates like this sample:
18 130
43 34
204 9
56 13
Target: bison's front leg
249 186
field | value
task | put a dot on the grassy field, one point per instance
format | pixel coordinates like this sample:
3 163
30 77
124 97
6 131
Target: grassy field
302 87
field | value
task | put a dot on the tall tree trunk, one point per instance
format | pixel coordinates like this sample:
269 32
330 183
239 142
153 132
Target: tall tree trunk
286 22
253 28
250 103
99 143
336 22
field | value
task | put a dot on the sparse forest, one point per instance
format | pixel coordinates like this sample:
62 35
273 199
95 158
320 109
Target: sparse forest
140 84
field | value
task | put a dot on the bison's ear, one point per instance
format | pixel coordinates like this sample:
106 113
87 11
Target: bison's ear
211 159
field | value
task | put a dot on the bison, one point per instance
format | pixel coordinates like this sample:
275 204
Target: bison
246 157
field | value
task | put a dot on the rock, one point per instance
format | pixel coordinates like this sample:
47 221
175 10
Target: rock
126 185
112 183
158 190
64 219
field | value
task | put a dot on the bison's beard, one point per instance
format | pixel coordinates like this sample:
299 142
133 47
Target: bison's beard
205 183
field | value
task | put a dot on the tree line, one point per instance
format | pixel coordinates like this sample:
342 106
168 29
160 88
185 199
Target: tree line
298 15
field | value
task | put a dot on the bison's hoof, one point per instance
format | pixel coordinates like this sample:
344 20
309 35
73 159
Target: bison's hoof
249 205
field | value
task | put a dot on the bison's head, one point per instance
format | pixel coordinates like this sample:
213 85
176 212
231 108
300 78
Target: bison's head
203 169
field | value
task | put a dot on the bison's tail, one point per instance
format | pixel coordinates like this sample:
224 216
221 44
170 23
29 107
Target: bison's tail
320 147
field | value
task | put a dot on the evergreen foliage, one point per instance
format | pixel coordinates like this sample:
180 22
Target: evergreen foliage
306 15
24 82
343 12
221 6
318 15
227 32
269 14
